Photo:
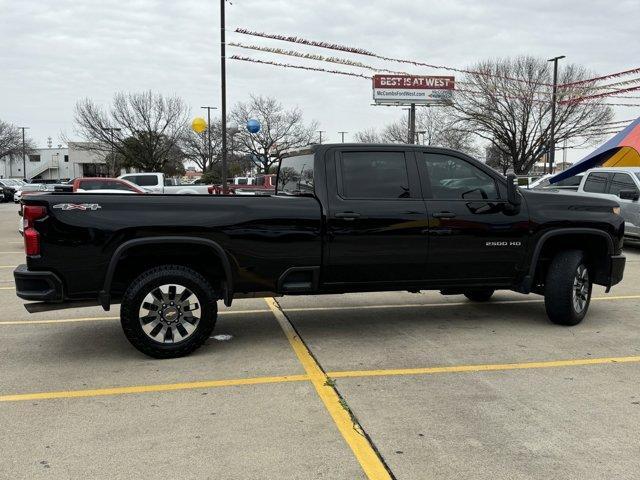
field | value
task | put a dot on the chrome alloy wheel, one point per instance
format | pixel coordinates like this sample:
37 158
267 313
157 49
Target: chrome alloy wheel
580 292
169 313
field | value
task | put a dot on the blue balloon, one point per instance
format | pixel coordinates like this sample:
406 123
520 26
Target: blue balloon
253 126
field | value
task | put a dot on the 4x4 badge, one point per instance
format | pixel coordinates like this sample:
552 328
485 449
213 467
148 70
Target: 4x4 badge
77 206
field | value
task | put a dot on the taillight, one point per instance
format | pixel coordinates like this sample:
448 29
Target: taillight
210 190
31 213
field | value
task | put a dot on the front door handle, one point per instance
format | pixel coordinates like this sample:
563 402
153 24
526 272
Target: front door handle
443 215
348 215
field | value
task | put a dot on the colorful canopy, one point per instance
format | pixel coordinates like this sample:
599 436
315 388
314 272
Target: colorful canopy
620 151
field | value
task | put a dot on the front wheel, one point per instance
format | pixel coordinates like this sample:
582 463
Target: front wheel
567 290
168 311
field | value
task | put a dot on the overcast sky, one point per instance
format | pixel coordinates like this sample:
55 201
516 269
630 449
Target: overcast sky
53 53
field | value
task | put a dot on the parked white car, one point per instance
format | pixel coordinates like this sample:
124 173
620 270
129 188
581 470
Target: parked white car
158 183
621 184
571 183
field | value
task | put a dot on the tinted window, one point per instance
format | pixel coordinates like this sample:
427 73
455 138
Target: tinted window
143 180
295 176
453 178
374 175
596 182
621 181
242 181
103 185
568 182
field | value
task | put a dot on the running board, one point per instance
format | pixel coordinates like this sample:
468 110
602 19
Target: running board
38 307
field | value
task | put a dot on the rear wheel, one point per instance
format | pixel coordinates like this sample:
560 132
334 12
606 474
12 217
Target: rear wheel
168 311
481 295
567 291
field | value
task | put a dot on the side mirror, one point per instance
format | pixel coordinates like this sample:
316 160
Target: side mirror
629 195
513 197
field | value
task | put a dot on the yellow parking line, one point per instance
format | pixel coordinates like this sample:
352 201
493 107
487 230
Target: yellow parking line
300 378
315 309
482 368
167 387
366 455
7 288
443 304
14 251
96 319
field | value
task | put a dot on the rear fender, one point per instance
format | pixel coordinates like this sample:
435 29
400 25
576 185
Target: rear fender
227 294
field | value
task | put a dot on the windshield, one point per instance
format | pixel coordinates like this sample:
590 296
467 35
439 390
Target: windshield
295 176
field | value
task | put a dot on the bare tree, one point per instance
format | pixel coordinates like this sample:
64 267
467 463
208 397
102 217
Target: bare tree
440 128
369 135
281 130
150 127
196 146
508 103
11 141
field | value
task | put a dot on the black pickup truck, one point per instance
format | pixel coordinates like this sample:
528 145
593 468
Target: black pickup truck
344 218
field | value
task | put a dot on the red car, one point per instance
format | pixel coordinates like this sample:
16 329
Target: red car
105 185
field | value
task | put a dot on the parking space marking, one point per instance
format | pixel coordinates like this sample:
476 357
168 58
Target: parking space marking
96 319
8 266
445 304
365 453
317 309
7 288
483 368
167 387
329 375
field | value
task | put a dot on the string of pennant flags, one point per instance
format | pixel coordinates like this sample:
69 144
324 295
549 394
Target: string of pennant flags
587 84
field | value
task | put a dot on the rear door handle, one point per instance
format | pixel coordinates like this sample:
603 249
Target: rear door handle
348 215
443 215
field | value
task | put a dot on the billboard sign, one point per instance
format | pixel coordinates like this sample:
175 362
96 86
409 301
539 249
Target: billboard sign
408 89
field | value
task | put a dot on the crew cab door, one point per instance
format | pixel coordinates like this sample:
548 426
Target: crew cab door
473 234
376 222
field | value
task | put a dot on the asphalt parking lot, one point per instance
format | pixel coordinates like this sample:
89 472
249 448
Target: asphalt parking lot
435 387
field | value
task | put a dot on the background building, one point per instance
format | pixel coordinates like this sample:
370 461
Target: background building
56 163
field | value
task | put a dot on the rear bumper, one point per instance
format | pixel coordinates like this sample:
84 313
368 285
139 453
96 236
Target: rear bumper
617 269
38 286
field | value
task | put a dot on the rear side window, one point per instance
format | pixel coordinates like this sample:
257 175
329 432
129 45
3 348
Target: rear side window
622 181
373 175
596 182
295 176
453 178
143 180
568 182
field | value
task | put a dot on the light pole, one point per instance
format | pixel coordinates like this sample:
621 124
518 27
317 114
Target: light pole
342 134
321 132
208 109
552 139
24 162
223 103
111 130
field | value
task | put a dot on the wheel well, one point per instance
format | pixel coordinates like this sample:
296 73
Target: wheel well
595 247
137 259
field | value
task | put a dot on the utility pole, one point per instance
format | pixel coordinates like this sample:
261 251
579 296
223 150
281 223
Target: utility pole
342 133
24 161
321 132
209 154
223 103
412 124
552 139
111 130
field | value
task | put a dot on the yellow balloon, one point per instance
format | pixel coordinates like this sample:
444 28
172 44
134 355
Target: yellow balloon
199 125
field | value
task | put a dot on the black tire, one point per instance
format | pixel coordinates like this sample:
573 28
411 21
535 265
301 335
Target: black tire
202 300
481 295
566 299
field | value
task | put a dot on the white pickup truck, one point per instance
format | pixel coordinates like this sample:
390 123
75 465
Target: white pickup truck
620 184
158 183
